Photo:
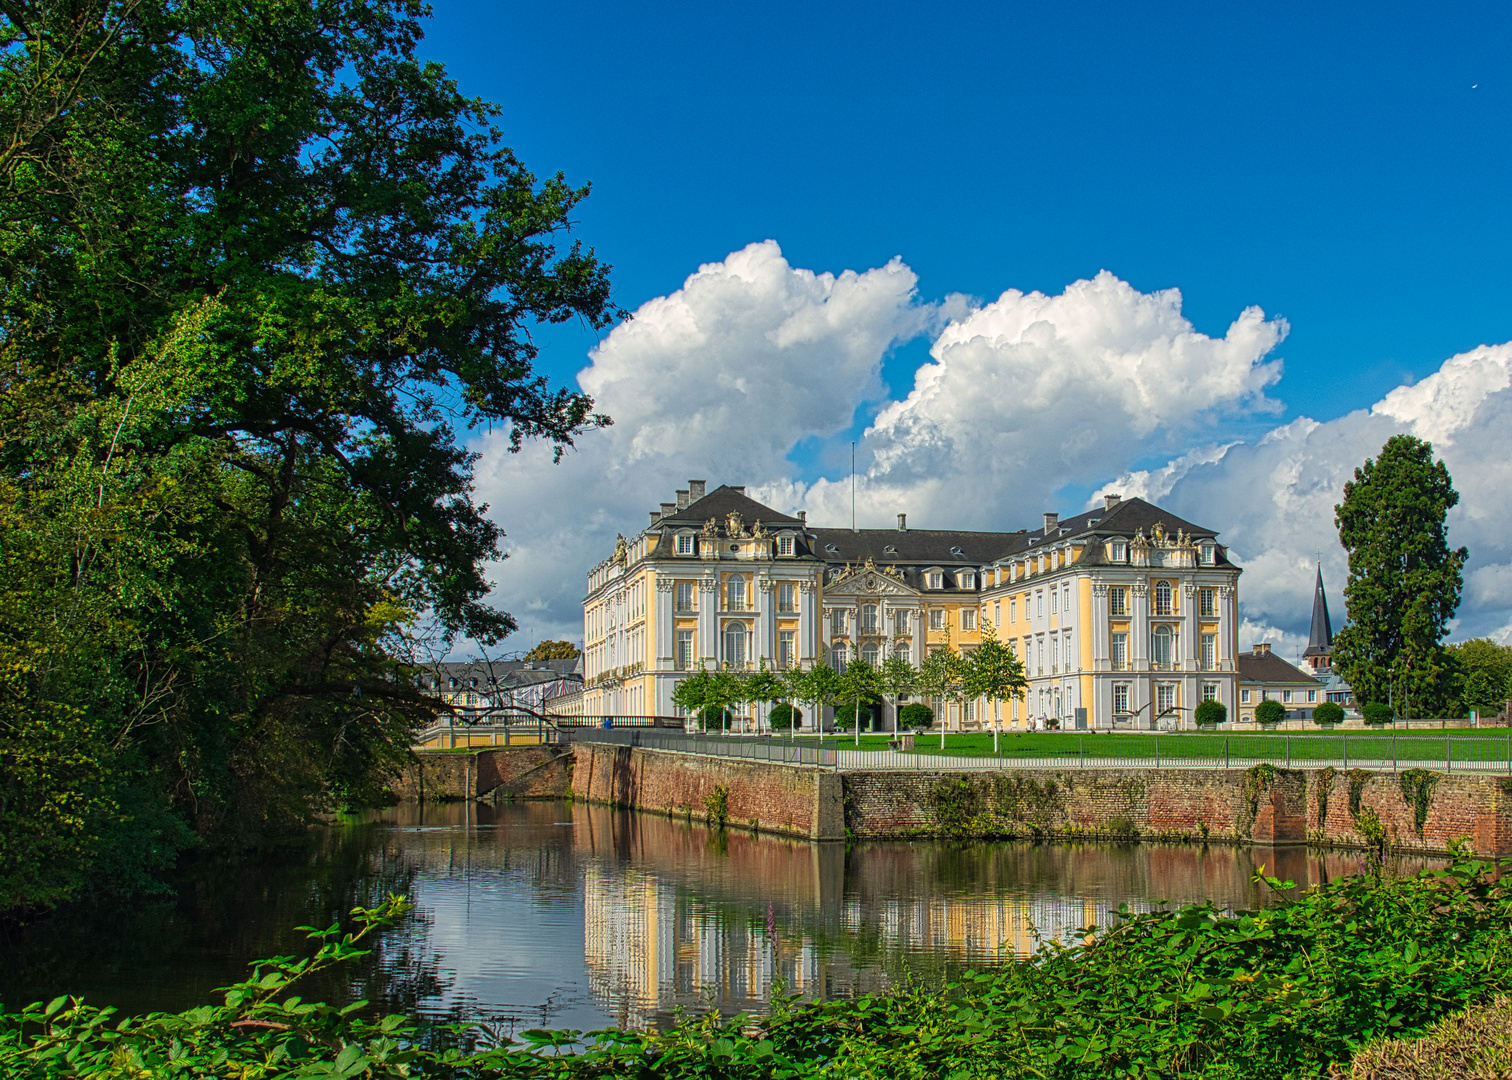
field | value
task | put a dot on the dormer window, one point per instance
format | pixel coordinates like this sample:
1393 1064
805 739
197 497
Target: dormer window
966 579
1118 551
889 550
685 543
1209 553
935 579
831 549
957 552
784 545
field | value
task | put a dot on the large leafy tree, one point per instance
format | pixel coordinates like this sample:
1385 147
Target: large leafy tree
260 269
1482 676
993 671
1404 581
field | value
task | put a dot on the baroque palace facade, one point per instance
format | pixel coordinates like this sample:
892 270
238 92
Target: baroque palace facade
1125 612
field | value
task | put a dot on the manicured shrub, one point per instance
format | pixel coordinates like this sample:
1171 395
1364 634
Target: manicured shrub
1328 713
845 716
784 717
708 720
916 714
1378 712
1270 711
1210 712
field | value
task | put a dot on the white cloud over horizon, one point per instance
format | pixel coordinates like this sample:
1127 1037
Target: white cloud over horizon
1022 398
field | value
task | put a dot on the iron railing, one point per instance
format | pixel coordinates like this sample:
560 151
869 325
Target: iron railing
809 752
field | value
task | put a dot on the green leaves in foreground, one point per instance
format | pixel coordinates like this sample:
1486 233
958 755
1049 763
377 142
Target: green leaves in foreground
1190 992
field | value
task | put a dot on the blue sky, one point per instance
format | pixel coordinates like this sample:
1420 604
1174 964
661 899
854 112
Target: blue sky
1344 168
1329 163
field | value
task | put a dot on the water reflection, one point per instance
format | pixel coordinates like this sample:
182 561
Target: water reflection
544 914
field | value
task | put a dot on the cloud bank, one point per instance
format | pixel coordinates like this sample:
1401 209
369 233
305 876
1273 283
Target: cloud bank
1021 399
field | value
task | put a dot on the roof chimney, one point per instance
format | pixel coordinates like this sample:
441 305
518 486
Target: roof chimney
1110 501
1262 648
682 499
1052 522
738 489
695 490
803 516
655 516
668 509
902 522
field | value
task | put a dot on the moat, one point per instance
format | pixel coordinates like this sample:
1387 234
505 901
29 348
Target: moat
567 915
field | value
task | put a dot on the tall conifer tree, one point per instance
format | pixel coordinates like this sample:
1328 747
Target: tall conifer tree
1404 580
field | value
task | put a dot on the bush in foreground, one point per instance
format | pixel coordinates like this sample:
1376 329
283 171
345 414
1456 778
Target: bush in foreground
916 715
1328 712
784 718
1209 713
1377 712
1270 711
1190 992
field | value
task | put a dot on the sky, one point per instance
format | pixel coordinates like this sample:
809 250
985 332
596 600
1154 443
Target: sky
1210 254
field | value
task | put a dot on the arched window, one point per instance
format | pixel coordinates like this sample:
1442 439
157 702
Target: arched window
1163 598
735 644
869 653
1163 648
735 593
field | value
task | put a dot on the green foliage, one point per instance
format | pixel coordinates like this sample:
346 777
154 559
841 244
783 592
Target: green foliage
1482 676
1404 580
762 686
1377 712
784 718
554 650
1328 712
1417 792
717 807
263 268
846 713
1210 712
1270 711
992 671
916 714
814 686
942 675
1290 992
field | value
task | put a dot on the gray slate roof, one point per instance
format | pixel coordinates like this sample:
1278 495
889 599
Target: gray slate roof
720 502
1270 669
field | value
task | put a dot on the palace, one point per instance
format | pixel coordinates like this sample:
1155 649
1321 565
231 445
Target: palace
1121 613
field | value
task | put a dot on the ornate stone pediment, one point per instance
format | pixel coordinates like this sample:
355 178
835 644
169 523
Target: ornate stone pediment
867 580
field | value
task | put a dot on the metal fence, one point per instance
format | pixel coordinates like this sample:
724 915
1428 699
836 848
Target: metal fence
809 752
1380 753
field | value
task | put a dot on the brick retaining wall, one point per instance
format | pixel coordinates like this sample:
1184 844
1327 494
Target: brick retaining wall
1262 805
526 772
792 800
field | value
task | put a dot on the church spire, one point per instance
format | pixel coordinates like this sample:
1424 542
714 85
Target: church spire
1320 639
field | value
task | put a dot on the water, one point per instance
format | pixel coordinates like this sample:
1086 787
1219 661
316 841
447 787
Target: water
565 915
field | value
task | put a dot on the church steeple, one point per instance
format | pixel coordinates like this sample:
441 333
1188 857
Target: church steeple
1319 652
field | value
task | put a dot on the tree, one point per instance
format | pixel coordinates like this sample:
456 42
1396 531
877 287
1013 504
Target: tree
1210 712
691 693
814 686
1482 676
784 717
1377 713
898 678
1328 712
940 679
916 714
993 671
1270 711
1404 580
762 687
554 650
265 266
859 682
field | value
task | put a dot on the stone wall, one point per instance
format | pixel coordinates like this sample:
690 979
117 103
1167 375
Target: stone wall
791 800
526 772
1264 805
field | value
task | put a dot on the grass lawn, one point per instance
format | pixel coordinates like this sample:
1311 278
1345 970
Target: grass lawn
1424 747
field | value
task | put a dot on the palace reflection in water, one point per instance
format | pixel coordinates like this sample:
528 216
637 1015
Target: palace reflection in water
565 915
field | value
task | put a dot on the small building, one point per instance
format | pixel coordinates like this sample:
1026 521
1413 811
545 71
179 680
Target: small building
1265 676
477 688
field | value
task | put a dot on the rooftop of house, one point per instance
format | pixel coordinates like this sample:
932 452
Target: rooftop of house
505 674
1260 665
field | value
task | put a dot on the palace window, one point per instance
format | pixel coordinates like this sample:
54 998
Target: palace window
837 621
784 545
1118 600
869 618
684 650
1207 603
1209 691
997 614
966 580
735 637
936 580
1208 552
1039 654
869 653
1163 648
1054 601
787 648
1119 552
968 619
685 596
900 650
1054 654
787 596
1121 699
1164 600
1165 698
1066 597
1039 603
1013 609
735 593
1209 652
937 618
839 656
900 622
685 543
